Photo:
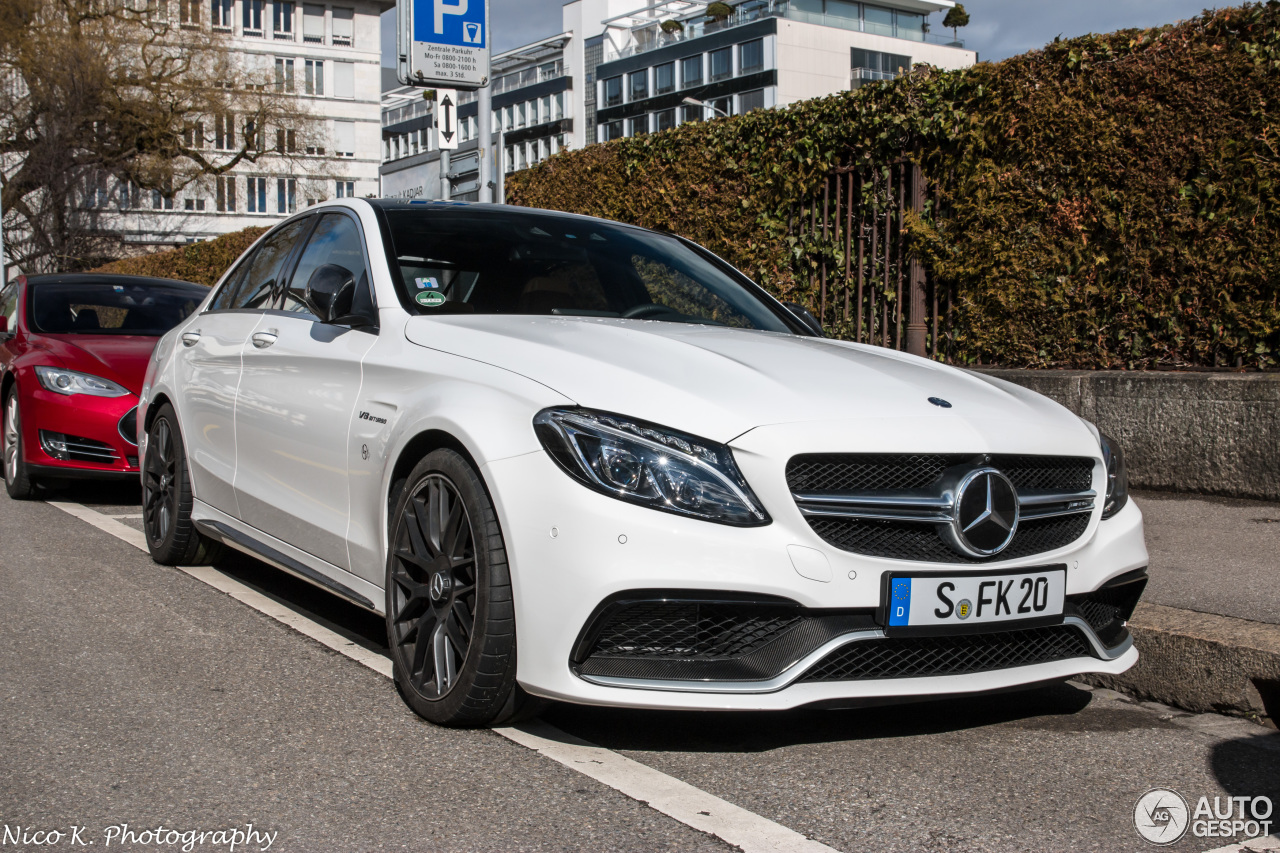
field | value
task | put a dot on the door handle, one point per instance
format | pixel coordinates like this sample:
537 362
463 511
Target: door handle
190 339
262 340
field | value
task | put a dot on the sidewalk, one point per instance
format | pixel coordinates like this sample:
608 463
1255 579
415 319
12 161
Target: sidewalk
1208 628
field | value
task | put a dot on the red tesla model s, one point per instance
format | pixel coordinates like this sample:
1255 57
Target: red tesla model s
73 353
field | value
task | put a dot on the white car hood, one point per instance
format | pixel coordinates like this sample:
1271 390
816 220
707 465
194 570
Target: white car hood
718 382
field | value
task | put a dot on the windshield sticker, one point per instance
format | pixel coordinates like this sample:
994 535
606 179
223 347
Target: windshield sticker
429 282
430 299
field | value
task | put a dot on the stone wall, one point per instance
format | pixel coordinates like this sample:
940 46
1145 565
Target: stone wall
1213 433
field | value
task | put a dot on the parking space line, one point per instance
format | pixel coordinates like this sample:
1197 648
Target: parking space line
678 800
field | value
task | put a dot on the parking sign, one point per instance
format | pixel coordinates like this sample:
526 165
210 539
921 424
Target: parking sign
449 44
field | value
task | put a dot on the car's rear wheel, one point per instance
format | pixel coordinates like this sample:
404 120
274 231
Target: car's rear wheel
17 482
450 613
172 537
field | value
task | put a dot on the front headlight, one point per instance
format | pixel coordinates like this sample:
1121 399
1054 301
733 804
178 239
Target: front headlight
71 382
649 465
1117 476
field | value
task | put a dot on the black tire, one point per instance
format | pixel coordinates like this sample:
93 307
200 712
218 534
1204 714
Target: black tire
17 482
450 614
172 537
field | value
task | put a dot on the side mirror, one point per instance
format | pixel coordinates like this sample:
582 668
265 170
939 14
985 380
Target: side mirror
330 292
805 316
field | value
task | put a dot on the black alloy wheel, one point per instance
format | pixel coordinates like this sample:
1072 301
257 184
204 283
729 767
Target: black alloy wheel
17 482
450 614
166 497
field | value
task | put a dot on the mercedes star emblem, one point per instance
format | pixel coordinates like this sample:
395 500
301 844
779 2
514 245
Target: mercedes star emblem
984 517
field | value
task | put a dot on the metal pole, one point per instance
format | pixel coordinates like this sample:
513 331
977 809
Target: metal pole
500 165
485 149
917 327
446 186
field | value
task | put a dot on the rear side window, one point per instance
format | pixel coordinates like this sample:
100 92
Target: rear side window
336 240
257 278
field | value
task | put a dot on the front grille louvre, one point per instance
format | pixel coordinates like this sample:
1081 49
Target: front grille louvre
73 448
868 474
691 630
899 540
919 657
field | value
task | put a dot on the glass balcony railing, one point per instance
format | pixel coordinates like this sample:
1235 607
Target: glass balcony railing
651 37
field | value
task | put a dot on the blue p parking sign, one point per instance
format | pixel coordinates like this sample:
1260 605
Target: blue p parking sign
450 43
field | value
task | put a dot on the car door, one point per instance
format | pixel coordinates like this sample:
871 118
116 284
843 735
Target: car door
208 369
300 382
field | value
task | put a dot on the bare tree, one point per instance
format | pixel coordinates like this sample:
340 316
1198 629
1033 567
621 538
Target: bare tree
103 100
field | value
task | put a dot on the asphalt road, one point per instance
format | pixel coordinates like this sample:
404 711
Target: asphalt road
131 692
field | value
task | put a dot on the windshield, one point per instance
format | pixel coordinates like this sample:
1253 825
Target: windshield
125 308
490 262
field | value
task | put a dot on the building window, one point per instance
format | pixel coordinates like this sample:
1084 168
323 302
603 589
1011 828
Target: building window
284 75
346 189
312 24
193 205
751 57
314 79
638 126
721 64
344 138
878 20
225 192
220 14
189 13
344 79
520 115
252 17
343 27
286 141
161 200
749 101
613 91
257 195
610 130
282 20
724 105
664 78
691 71
692 113
286 195
869 65
638 85
664 120
909 25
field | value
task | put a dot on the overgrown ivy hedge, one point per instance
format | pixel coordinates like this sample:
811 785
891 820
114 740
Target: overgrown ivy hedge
1112 200
203 263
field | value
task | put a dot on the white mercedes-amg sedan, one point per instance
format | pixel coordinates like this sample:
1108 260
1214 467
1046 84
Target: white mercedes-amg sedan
576 460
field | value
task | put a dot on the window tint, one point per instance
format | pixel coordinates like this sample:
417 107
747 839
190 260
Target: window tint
336 240
260 277
121 307
9 306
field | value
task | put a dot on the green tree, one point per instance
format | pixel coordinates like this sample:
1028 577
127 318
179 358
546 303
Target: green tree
956 18
719 11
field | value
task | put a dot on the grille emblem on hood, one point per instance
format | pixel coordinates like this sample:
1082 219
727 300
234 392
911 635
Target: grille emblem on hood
939 402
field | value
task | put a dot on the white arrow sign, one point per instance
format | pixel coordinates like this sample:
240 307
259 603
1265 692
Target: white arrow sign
447 118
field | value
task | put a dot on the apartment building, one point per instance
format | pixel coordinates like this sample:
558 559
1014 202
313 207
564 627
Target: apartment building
617 71
328 55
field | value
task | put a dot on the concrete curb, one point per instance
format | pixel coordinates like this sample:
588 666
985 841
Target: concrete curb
1202 662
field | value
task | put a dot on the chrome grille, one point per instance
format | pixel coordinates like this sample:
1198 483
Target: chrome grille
894 505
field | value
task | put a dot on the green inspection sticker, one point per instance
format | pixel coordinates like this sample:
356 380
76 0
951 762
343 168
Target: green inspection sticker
430 299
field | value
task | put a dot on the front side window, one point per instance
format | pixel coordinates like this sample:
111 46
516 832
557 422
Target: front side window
336 240
721 64
253 285
111 307
485 263
613 91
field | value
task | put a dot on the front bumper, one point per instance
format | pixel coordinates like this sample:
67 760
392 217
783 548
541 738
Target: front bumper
571 549
78 437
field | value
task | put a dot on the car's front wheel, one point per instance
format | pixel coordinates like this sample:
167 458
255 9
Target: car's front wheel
450 613
17 482
172 537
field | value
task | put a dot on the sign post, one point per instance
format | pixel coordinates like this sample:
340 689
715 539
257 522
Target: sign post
447 43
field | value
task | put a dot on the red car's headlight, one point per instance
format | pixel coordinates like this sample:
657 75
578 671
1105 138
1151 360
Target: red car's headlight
71 382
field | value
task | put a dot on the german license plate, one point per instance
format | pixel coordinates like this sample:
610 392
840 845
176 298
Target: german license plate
969 602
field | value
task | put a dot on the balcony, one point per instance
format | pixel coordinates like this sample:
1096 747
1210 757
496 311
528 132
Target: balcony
528 77
649 36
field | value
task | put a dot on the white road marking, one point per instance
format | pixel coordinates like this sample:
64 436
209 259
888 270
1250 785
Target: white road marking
679 800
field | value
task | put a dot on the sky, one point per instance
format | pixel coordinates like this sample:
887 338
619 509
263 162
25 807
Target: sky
998 28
